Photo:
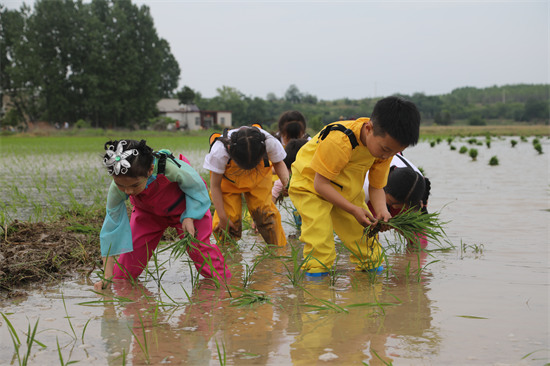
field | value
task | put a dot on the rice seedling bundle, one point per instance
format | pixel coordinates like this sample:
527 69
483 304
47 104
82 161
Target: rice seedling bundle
412 224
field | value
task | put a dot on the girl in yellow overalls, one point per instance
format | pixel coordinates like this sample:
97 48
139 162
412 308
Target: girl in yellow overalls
240 163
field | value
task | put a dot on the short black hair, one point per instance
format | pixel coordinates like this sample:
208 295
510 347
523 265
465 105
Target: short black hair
397 117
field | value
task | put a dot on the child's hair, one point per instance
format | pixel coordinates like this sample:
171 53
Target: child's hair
292 125
407 186
292 149
246 147
128 157
397 117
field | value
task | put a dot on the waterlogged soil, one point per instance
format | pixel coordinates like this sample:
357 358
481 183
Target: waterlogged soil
483 301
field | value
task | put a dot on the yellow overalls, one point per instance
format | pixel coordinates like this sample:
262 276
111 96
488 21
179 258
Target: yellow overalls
255 185
346 166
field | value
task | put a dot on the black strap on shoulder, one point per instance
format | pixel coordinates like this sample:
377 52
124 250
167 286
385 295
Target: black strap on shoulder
161 166
341 128
403 160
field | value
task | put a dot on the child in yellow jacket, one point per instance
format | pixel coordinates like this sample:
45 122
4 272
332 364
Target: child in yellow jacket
327 182
240 163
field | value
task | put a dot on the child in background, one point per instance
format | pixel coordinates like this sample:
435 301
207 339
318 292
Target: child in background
406 188
165 192
291 150
292 125
327 182
239 163
278 192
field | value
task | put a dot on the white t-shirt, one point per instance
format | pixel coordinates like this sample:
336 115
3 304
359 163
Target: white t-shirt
397 161
216 160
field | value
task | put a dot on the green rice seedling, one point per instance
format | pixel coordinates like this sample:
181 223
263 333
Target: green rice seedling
222 357
488 144
157 273
473 154
513 142
410 223
31 339
63 363
387 363
523 138
452 147
327 305
536 359
294 270
421 270
472 141
249 270
493 161
250 297
118 300
432 143
84 330
538 147
463 149
535 141
450 140
144 346
377 304
68 317
476 248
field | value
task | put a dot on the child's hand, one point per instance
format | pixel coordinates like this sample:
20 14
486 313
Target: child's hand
364 217
188 226
102 285
225 224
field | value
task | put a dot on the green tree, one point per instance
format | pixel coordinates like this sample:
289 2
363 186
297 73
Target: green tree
293 94
186 95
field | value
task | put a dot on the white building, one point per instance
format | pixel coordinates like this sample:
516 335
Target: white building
190 117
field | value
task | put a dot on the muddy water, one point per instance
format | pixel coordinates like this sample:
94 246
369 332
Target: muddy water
485 302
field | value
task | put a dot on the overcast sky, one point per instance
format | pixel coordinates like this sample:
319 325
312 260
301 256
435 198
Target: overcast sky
354 49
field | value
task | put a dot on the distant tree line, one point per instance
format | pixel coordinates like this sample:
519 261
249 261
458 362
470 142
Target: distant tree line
510 103
101 63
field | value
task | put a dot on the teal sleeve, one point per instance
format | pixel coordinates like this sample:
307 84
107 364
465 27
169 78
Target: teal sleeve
116 236
197 200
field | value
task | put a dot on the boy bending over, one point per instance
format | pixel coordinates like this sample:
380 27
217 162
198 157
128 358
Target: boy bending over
327 182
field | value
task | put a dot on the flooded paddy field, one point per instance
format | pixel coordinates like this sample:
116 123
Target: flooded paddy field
482 301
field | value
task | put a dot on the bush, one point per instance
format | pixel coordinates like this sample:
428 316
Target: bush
473 154
82 124
160 123
476 121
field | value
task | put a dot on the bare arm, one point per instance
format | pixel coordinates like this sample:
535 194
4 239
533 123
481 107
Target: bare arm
108 266
282 172
378 201
217 200
324 187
